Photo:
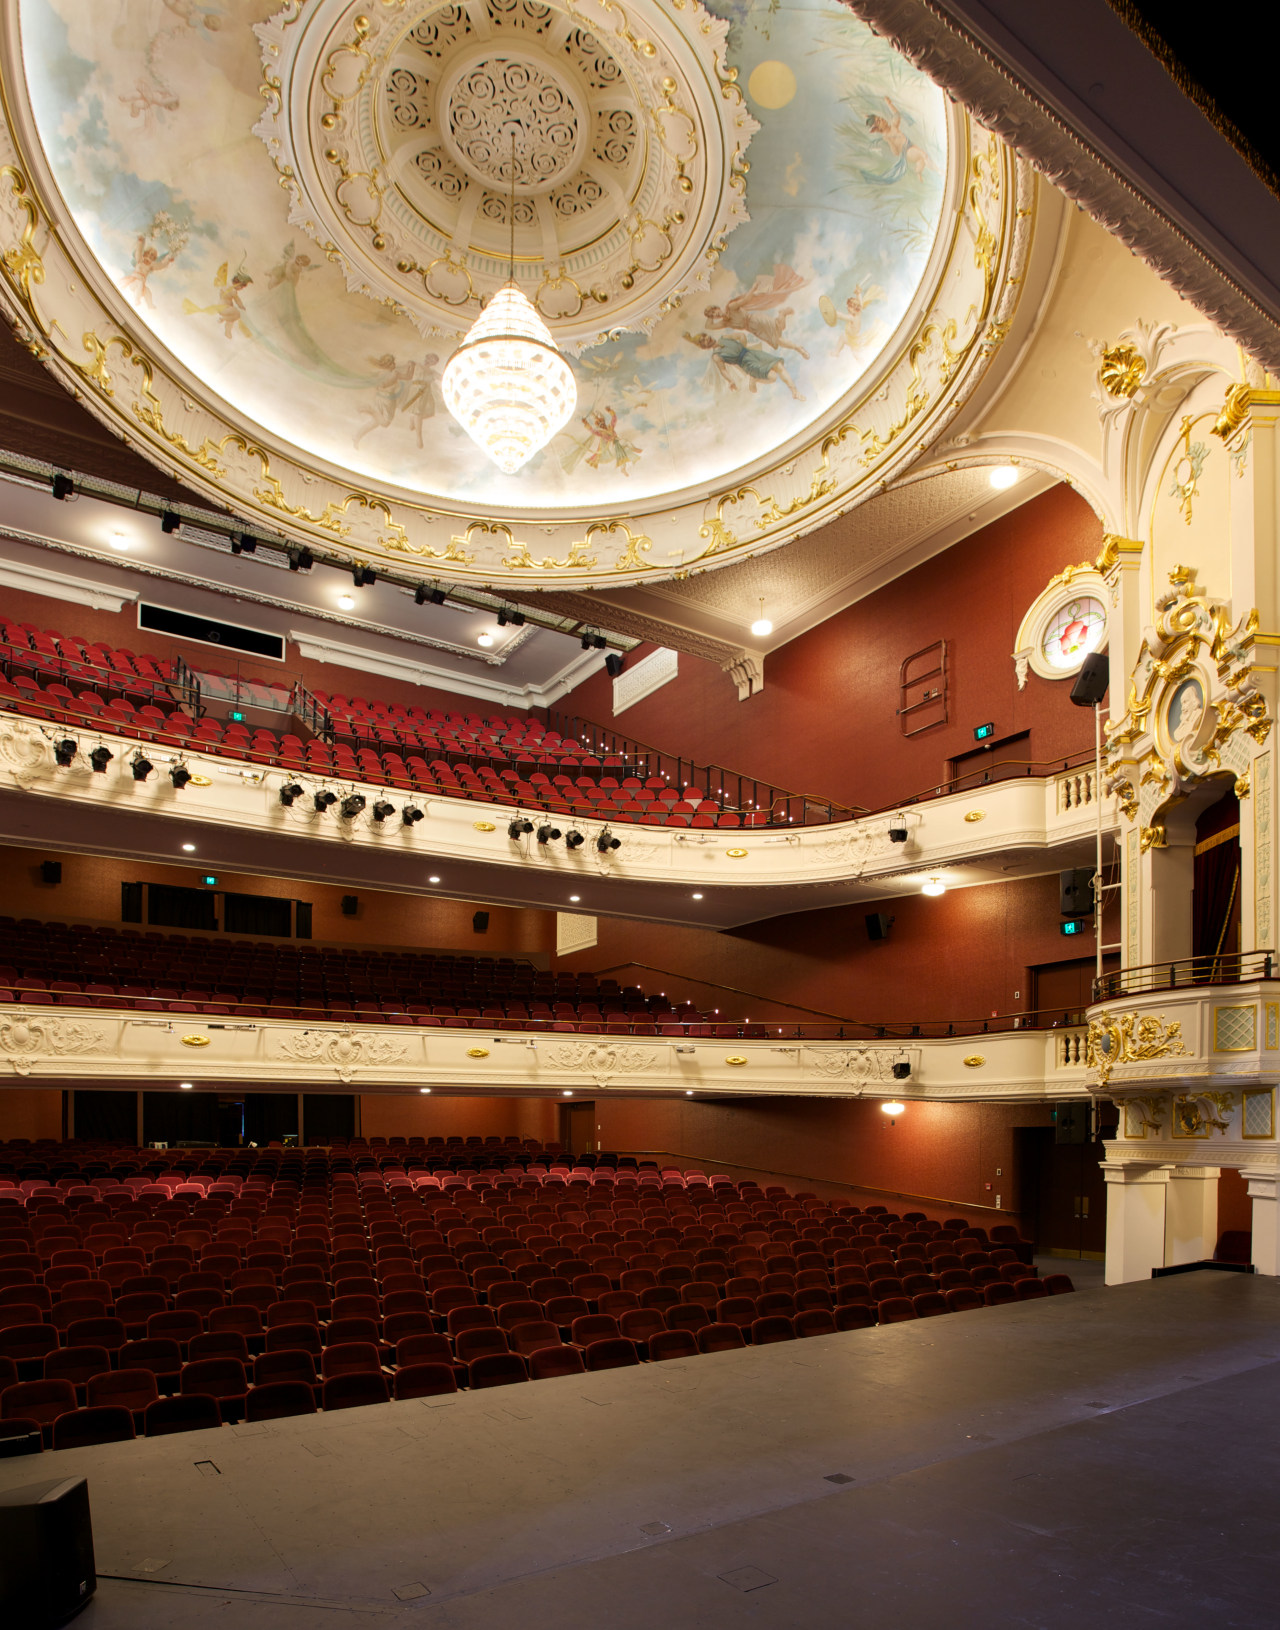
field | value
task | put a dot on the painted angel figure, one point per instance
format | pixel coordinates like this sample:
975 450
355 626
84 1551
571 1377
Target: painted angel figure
290 268
729 353
602 427
389 392
148 261
228 308
906 153
852 337
755 310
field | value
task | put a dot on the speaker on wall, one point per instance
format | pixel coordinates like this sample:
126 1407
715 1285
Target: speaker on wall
51 871
350 904
878 925
1091 682
480 922
613 664
1075 891
47 1570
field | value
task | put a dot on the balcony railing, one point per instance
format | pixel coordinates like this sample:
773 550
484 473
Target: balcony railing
1237 968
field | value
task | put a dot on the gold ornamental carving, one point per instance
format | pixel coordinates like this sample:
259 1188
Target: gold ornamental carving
484 826
1130 1038
1113 548
477 1052
1199 1114
736 1059
196 1041
975 1061
1121 369
974 815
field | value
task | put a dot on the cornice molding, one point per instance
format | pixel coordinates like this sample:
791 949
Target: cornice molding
78 591
955 59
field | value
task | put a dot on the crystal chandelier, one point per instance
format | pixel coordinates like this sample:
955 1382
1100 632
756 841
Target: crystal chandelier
507 385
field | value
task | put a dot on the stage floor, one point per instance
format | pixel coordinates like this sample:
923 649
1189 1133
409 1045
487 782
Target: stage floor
1103 1459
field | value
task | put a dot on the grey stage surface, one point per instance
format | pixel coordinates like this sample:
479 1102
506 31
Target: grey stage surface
1094 1460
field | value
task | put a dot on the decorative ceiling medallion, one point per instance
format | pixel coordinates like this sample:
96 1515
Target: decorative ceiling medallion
392 130
1065 622
268 319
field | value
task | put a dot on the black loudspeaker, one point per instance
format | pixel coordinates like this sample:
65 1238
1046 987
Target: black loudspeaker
613 664
51 871
901 1070
878 925
46 1553
1075 892
350 904
1091 682
480 922
1071 1123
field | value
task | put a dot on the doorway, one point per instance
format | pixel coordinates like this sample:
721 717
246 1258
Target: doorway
1215 899
1064 1194
578 1128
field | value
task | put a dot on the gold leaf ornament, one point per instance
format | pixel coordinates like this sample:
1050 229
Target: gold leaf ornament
477 1052
195 1041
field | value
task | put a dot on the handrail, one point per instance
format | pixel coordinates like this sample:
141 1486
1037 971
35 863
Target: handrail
1233 968
239 1009
695 979
94 676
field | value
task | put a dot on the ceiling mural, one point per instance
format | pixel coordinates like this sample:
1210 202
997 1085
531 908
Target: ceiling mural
774 256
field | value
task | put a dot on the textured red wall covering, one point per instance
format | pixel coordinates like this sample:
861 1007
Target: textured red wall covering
957 957
396 1115
121 629
90 892
1235 1208
940 1151
30 1112
826 721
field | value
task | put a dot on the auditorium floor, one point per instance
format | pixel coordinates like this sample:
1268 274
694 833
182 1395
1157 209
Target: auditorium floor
1092 1461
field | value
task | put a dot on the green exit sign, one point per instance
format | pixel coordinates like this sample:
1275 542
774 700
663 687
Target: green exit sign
1075 925
237 717
984 732
209 880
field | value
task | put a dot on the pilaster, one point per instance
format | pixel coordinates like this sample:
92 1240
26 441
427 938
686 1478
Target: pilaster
1262 1183
1136 1205
1191 1215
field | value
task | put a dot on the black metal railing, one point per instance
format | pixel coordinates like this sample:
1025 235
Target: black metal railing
1234 968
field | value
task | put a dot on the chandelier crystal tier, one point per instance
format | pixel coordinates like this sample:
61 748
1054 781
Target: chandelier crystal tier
507 385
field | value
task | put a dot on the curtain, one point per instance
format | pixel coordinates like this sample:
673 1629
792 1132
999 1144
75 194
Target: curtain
106 1117
256 914
1215 903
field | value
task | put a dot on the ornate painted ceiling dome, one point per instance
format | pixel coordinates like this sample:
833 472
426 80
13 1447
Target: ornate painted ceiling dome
251 237
403 132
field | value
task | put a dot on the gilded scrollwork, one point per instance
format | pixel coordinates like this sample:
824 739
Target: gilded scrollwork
1196 1113
1130 1038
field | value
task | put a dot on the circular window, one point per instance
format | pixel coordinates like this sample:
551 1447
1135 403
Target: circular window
1072 632
1065 623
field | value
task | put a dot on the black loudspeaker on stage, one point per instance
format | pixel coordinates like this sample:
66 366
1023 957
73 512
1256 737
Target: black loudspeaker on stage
480 922
47 1570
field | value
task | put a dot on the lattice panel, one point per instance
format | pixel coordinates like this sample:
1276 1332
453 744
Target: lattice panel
1260 1114
1235 1029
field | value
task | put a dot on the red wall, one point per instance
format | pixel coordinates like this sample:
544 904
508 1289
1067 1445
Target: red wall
413 1115
941 1152
826 721
90 892
30 1112
963 956
121 630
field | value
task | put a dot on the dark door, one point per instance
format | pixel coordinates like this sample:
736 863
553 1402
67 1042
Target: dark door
1065 1201
578 1128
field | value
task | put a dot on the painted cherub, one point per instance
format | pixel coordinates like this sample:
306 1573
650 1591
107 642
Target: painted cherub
852 337
290 268
906 153
148 261
728 353
228 308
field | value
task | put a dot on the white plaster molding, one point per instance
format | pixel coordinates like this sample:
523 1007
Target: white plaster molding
651 673
78 591
574 932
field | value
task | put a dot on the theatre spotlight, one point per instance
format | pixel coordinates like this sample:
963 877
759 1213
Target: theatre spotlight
243 543
901 1070
63 486
548 834
170 522
301 560
607 841
64 751
410 814
100 757
897 829
586 641
574 840
323 799
351 806
364 577
141 767
179 775
599 642
382 809
289 793
502 616
519 828
438 597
